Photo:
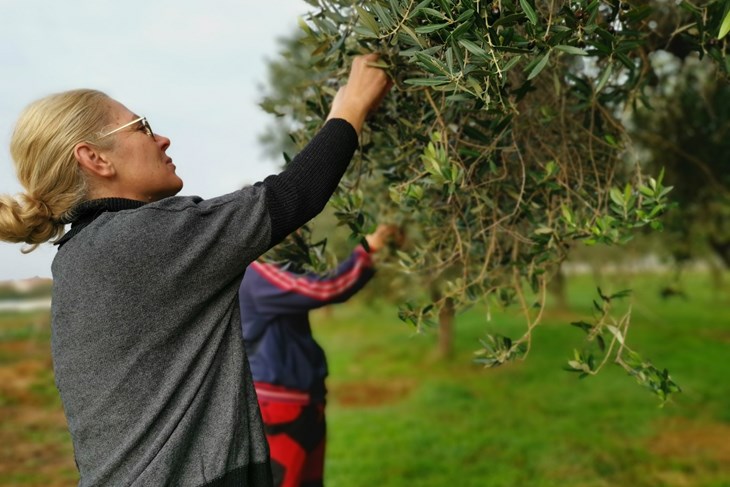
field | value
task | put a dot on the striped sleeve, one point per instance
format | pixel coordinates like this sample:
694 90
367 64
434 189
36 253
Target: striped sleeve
280 291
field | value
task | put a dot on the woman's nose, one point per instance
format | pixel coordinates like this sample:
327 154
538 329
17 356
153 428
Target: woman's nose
162 141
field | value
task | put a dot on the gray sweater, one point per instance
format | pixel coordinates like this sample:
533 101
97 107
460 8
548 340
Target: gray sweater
146 334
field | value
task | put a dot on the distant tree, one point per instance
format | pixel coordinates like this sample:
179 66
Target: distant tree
686 131
501 145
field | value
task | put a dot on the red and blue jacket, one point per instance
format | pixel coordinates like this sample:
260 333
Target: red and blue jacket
275 307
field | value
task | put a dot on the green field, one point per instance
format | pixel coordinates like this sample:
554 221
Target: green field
397 416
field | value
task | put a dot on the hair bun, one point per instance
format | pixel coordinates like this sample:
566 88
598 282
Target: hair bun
27 219
37 208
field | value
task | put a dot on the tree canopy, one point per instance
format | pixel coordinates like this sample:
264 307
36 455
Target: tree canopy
502 144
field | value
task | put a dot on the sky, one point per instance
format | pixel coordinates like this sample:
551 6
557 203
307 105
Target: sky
195 69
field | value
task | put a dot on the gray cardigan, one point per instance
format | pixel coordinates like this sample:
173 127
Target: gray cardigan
146 333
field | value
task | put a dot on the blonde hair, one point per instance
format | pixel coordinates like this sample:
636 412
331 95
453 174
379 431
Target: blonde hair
42 149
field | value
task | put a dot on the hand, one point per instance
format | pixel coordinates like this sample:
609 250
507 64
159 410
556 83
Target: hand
365 89
384 233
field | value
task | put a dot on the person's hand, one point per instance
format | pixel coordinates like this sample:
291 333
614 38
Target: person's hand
380 237
365 89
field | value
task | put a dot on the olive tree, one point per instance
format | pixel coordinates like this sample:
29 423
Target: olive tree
501 146
687 132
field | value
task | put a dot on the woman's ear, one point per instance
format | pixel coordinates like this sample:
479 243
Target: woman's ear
93 161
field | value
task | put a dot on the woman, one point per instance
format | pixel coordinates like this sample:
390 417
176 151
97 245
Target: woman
146 339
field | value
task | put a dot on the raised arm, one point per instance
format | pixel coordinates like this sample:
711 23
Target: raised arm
276 291
301 191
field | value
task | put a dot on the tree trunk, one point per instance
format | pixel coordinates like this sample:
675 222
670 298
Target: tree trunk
557 288
717 271
446 331
722 249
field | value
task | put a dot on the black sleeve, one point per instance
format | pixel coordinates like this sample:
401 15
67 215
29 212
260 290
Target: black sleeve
300 192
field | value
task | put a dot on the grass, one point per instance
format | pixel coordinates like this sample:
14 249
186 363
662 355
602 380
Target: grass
35 447
398 416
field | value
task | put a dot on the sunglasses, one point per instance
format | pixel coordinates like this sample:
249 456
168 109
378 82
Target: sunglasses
145 126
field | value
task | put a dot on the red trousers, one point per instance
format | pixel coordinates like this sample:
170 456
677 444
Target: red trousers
296 432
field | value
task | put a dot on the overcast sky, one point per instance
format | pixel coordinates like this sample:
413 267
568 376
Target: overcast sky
194 68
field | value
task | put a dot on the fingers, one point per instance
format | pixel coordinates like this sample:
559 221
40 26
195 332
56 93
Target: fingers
377 103
385 230
366 87
368 81
384 234
394 234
